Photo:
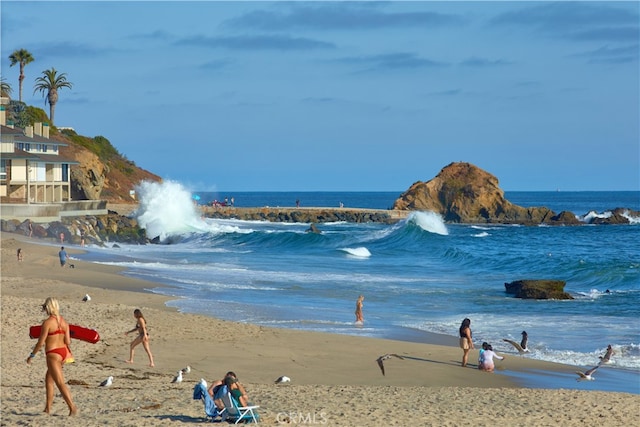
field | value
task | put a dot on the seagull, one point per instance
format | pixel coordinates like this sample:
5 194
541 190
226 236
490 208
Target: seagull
177 378
86 298
385 357
522 347
283 379
606 359
107 382
186 370
586 376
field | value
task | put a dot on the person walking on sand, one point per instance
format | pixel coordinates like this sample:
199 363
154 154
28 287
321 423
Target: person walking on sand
359 305
143 337
466 343
63 256
56 339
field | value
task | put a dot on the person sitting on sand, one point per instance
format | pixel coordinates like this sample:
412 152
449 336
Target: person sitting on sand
236 389
20 255
481 355
488 355
143 337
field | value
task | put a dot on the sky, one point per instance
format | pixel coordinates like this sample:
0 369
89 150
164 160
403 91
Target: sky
335 96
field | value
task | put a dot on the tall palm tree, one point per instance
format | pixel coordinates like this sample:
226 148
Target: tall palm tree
50 82
5 88
22 57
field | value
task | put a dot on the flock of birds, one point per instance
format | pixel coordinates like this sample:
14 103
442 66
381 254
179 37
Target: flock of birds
522 348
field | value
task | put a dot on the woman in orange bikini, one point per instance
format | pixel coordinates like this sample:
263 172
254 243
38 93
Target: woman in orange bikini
143 337
55 338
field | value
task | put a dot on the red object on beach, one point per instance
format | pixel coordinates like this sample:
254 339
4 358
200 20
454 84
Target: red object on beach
76 332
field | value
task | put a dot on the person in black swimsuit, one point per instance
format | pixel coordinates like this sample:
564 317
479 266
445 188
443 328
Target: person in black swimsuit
143 337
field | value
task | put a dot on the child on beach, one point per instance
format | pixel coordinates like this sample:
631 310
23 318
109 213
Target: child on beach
143 337
359 305
488 355
20 255
485 346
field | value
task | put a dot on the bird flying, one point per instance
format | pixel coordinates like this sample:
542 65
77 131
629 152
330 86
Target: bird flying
586 376
606 359
522 347
385 357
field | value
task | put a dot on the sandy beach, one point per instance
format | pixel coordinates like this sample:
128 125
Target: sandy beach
335 380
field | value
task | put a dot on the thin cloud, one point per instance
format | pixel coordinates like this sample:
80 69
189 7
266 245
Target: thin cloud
259 42
159 35
66 49
340 16
392 61
607 55
574 21
476 62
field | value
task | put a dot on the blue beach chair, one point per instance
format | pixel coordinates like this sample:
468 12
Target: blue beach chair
237 413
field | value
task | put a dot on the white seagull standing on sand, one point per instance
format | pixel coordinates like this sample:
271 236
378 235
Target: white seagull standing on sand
186 370
283 379
86 298
177 378
107 382
522 347
385 357
586 376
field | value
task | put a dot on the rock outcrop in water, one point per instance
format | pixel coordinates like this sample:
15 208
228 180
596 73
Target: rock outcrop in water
464 193
537 289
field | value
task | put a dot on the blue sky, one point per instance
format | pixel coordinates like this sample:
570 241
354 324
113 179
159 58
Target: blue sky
361 96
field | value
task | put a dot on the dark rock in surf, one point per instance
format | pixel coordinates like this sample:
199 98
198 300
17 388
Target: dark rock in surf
538 289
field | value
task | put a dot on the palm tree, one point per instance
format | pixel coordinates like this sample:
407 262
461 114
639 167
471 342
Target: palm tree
5 88
50 82
22 57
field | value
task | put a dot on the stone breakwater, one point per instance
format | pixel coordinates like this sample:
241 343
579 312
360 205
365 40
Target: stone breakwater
305 215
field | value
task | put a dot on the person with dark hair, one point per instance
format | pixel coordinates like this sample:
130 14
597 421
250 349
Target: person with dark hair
63 256
143 337
466 343
488 355
236 389
485 346
56 339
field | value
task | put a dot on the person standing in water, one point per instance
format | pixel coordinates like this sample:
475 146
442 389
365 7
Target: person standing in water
359 305
143 337
466 342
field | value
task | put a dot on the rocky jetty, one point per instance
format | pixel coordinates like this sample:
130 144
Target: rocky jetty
538 289
464 193
95 229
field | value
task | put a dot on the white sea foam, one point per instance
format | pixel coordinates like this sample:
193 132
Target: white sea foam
483 234
360 252
167 209
429 221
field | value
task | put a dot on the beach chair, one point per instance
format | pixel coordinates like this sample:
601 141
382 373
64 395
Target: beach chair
200 393
237 413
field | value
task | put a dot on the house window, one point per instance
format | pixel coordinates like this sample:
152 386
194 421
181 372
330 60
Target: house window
20 145
65 172
27 147
3 169
44 148
54 148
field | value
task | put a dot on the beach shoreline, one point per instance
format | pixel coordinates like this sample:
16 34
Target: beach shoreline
324 367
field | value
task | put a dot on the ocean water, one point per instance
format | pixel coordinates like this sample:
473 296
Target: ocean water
418 276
